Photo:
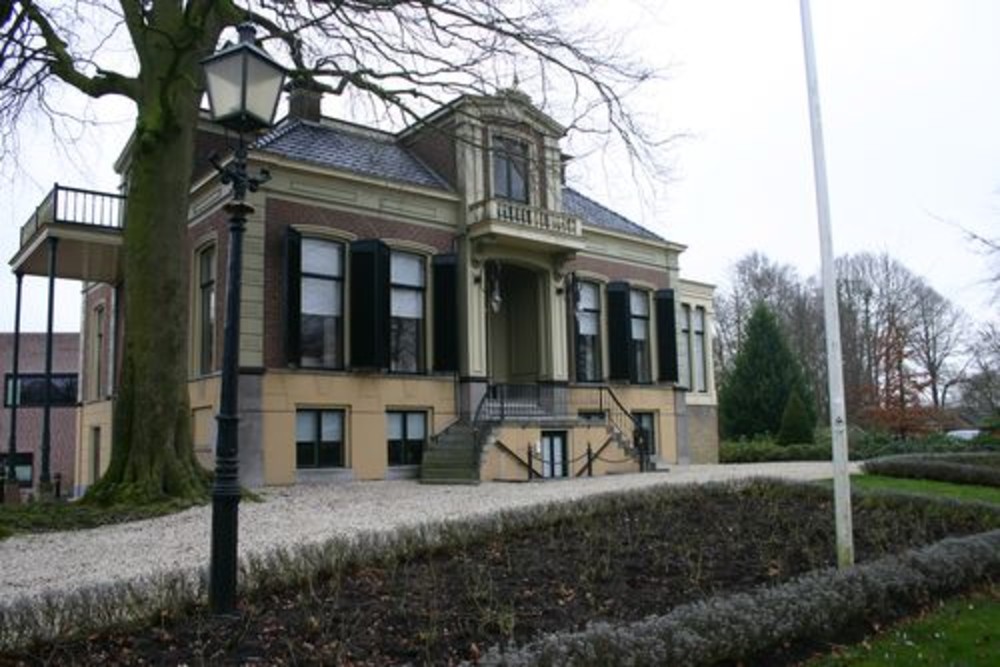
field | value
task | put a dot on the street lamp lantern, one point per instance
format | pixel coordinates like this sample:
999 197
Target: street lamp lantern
243 88
243 83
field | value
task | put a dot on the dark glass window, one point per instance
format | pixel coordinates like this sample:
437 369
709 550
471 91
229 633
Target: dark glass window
23 468
683 351
588 332
639 314
321 327
700 361
206 310
31 392
319 439
510 169
406 327
647 422
406 434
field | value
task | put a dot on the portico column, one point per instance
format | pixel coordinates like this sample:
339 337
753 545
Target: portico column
44 478
12 493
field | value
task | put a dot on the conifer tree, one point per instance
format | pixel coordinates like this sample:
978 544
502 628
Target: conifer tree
765 373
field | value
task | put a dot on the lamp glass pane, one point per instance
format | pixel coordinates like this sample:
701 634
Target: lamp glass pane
223 77
264 79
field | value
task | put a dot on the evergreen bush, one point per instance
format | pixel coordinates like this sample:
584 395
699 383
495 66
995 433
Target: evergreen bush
796 422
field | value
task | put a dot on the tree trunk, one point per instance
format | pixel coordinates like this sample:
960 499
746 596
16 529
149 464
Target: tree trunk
152 455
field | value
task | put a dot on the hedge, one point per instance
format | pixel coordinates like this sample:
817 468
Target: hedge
958 469
740 627
861 448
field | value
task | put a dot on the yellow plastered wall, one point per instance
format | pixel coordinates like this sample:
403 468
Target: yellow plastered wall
204 397
499 464
94 415
364 400
656 399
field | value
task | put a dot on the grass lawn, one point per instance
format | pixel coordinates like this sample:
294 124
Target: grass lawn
927 487
965 632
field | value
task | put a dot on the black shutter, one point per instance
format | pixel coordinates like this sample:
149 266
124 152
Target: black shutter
293 295
445 305
666 335
619 330
369 307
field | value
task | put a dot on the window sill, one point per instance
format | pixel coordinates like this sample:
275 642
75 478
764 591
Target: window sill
323 475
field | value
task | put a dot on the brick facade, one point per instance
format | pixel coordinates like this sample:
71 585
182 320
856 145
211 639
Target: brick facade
282 213
65 359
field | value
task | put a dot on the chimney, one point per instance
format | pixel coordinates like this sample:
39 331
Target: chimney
304 98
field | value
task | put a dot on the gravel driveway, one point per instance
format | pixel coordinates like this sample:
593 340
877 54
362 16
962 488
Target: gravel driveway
58 562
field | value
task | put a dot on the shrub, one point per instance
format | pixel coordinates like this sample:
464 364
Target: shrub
983 469
745 626
758 451
796 422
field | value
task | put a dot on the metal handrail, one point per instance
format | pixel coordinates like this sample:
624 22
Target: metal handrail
76 206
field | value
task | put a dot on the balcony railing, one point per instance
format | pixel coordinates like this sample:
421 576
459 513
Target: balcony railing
76 206
531 217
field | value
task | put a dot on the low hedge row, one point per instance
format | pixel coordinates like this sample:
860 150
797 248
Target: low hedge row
860 449
758 451
958 469
740 627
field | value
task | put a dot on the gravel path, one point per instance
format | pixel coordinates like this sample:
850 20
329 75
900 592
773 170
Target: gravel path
58 562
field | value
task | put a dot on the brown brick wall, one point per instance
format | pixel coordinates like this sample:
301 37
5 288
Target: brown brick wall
281 213
620 270
436 147
65 359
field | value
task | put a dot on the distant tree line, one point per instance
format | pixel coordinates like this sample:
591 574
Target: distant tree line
913 361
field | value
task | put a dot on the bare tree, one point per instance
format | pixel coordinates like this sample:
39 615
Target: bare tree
400 55
938 339
981 386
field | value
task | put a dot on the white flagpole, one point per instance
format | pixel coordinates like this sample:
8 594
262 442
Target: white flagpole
838 421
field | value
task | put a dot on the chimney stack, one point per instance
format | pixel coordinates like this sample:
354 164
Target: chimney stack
304 98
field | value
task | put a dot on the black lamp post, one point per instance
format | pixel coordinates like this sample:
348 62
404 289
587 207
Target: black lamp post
243 87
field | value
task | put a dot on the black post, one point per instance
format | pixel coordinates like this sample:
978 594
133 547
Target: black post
45 478
11 482
531 463
590 461
226 488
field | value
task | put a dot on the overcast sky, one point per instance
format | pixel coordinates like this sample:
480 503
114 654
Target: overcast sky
911 112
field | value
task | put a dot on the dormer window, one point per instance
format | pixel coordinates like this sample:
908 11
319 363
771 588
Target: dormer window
510 169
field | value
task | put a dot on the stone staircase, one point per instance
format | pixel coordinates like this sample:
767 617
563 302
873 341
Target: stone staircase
452 457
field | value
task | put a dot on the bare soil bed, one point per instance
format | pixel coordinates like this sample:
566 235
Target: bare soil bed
615 558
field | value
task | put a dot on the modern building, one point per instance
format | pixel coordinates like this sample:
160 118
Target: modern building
30 399
432 302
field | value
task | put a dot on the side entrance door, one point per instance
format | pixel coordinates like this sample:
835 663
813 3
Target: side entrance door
554 459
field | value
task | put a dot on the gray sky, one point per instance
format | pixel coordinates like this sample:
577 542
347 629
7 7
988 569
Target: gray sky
911 112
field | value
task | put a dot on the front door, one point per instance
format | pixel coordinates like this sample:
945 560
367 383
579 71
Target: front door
554 460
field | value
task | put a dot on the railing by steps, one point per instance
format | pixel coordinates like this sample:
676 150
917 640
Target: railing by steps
542 402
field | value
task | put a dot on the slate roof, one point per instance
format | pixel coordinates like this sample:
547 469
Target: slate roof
596 215
360 151
376 154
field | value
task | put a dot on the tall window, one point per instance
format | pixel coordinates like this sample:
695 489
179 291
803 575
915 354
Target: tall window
321 328
406 327
588 332
407 436
97 354
683 348
700 362
510 169
206 310
639 313
319 439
